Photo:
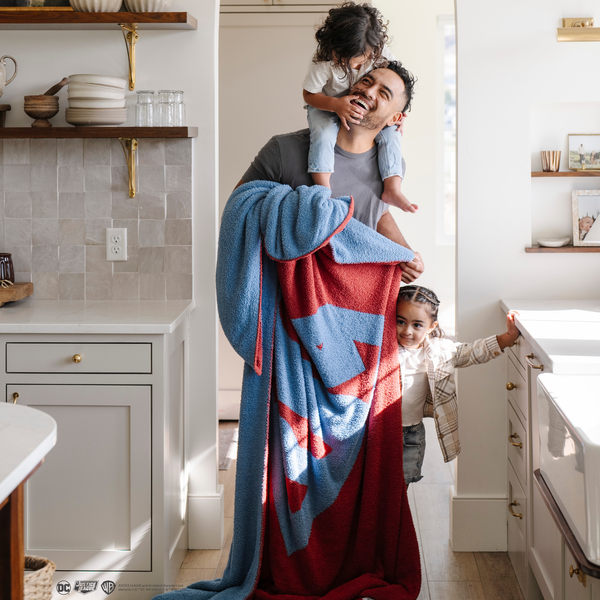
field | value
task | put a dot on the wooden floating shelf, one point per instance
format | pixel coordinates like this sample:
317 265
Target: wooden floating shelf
565 249
61 19
565 174
97 132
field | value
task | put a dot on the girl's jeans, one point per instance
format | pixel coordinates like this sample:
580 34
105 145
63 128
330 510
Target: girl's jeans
324 127
413 440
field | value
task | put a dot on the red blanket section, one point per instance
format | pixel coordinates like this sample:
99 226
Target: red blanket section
365 543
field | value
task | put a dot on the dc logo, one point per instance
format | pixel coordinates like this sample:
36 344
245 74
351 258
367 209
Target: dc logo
63 587
108 587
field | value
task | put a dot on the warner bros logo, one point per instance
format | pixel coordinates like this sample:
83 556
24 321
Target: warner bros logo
108 587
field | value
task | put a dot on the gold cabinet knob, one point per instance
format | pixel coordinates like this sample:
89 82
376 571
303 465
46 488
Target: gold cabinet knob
77 358
573 571
510 386
15 397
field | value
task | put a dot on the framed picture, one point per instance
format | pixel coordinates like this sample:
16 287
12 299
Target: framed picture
586 217
35 5
584 151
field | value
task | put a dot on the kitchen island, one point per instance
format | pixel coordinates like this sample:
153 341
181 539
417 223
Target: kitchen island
110 506
562 338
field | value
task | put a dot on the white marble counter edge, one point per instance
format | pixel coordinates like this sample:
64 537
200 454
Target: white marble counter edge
108 327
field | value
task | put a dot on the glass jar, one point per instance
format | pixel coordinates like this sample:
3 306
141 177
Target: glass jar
178 109
144 109
165 109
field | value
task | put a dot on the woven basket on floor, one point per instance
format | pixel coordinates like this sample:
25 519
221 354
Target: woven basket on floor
38 578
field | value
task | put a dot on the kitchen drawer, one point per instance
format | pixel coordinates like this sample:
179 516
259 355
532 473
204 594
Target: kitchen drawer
517 528
23 357
516 386
519 351
517 445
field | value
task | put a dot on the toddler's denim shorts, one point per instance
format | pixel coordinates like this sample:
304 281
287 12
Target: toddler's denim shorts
413 451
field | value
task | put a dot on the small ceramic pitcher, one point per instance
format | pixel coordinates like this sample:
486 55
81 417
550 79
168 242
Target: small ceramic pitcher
3 80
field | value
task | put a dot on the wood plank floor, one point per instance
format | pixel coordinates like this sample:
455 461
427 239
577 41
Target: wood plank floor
447 575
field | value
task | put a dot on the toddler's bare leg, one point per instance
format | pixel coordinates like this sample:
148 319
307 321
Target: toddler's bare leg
392 194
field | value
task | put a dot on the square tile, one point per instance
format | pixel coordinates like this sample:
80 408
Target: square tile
178 152
43 152
44 178
70 152
178 232
95 260
17 152
45 286
151 179
71 205
44 259
178 178
117 154
44 232
152 286
17 232
132 230
96 152
178 259
98 205
152 206
126 286
98 286
21 259
119 179
152 233
44 205
179 286
179 205
71 232
71 179
97 179
95 231
124 207
71 259
17 178
131 264
151 260
17 205
71 286
151 151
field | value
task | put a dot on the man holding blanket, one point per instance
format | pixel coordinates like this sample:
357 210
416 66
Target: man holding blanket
307 296
388 93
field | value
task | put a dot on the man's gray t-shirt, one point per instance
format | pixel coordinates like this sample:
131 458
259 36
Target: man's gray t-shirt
284 159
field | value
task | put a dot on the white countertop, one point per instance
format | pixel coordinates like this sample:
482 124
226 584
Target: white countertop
93 316
566 333
26 436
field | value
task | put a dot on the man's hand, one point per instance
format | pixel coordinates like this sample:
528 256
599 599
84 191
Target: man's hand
412 270
347 111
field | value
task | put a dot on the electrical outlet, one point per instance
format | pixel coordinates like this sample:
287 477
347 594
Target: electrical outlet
116 243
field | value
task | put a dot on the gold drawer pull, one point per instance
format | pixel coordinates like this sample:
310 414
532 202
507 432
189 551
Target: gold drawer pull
516 444
15 397
77 358
510 386
514 514
529 361
580 575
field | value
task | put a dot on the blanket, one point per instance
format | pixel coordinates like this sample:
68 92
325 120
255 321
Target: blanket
307 296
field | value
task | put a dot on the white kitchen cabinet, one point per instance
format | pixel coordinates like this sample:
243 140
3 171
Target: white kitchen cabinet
110 503
517 515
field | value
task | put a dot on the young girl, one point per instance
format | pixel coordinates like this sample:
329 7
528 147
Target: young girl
350 43
427 363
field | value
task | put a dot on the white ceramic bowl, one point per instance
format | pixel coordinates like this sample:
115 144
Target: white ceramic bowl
553 242
95 103
105 80
148 5
94 87
96 5
95 94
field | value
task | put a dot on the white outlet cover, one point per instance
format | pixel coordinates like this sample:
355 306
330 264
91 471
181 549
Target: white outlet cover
116 243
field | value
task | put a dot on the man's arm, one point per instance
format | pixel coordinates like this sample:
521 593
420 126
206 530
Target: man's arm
388 228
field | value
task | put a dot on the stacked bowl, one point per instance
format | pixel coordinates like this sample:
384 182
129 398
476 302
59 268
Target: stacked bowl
96 100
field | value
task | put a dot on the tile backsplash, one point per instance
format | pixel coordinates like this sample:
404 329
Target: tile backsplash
57 197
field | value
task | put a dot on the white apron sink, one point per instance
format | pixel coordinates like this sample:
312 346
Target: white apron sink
569 432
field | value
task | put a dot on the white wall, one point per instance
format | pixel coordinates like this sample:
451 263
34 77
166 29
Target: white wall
166 59
413 28
508 63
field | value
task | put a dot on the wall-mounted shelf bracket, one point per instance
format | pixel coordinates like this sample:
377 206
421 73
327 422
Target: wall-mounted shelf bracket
130 146
578 30
131 38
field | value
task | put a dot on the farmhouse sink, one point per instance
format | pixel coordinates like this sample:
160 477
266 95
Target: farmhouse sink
569 438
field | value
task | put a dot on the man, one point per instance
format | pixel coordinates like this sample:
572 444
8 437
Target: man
384 95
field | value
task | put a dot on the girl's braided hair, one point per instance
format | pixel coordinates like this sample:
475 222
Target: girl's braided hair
351 30
424 296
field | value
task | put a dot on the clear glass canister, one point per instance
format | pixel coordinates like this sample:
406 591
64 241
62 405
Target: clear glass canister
178 109
165 109
144 109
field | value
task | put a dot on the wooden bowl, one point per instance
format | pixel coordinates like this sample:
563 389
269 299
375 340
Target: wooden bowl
41 108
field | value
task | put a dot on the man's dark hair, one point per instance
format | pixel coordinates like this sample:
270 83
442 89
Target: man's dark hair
407 77
350 30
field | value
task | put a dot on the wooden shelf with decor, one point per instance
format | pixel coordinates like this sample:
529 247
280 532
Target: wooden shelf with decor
66 19
97 132
567 249
583 173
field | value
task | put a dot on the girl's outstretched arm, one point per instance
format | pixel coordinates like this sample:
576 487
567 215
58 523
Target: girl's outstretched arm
512 333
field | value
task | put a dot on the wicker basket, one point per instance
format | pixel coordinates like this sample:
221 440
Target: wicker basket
38 578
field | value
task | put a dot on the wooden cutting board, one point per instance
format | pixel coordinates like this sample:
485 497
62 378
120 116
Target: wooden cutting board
15 292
